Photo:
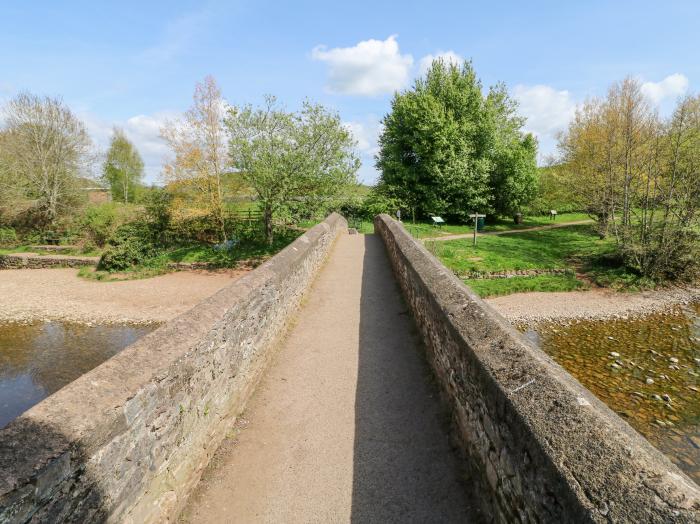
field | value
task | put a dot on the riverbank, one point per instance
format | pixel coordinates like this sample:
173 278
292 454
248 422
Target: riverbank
535 307
44 295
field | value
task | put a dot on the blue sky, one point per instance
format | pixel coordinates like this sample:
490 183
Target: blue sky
134 64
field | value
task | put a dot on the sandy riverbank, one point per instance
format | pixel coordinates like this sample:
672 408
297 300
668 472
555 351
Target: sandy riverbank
532 308
59 294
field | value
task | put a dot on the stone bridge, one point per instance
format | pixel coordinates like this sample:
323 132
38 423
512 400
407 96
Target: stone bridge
385 391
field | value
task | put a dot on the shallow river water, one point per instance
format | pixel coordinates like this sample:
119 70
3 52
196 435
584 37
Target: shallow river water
37 360
646 369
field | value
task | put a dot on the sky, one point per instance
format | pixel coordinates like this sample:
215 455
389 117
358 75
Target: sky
135 64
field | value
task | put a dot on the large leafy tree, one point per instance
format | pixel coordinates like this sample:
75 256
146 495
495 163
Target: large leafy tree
123 167
289 158
447 148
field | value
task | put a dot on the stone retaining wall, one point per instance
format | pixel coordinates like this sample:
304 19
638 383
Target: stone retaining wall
543 447
128 441
34 261
488 275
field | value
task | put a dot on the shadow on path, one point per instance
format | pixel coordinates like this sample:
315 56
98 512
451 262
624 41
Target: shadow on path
404 469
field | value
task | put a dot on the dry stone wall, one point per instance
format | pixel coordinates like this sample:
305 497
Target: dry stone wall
127 441
542 446
33 261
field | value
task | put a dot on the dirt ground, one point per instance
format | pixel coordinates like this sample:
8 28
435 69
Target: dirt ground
28 295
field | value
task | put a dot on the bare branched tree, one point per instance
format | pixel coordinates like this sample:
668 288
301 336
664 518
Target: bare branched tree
198 143
45 149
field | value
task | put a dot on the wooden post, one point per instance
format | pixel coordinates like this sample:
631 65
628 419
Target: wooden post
476 217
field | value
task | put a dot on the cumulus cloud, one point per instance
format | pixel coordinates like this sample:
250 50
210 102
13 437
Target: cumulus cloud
144 133
548 110
672 86
448 56
370 68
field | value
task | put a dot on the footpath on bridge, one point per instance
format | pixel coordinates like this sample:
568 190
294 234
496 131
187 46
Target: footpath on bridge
346 425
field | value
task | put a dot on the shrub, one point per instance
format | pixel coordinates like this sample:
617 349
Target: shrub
130 246
99 222
8 236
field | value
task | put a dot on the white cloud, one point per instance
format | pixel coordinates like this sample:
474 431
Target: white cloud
548 111
448 56
372 67
672 86
366 131
144 133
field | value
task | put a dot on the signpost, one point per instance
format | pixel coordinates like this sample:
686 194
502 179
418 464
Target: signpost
437 221
476 217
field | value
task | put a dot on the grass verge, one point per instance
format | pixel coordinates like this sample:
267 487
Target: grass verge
505 286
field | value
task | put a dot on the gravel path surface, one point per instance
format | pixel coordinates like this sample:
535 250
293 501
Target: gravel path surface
28 295
531 308
344 427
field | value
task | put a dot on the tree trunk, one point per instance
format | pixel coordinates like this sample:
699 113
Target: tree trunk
267 214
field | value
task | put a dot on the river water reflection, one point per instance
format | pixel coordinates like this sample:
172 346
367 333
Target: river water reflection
37 360
646 369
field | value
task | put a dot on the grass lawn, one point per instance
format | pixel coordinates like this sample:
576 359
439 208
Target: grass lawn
254 251
505 286
426 230
245 250
546 249
574 247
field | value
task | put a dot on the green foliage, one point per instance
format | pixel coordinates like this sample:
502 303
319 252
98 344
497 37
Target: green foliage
123 168
158 206
131 245
448 149
556 189
99 222
291 160
8 237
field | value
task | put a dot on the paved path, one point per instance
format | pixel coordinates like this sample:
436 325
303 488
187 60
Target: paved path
345 426
509 231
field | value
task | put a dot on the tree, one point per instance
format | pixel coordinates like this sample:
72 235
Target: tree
638 176
198 142
123 167
290 157
446 148
45 148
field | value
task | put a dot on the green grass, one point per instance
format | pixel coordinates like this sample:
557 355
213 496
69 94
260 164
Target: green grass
245 250
574 247
545 249
427 230
505 286
251 251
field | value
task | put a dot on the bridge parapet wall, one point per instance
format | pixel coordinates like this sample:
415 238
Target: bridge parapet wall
128 441
543 447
